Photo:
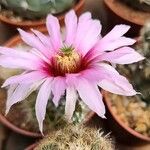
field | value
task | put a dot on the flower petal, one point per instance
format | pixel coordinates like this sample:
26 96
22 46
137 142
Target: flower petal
71 27
125 55
91 96
10 62
116 32
25 78
85 38
85 17
71 98
53 28
43 38
17 93
33 41
41 102
114 39
48 51
58 89
113 82
10 52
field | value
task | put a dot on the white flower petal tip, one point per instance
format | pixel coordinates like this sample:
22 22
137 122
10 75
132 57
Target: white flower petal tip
20 31
55 103
138 93
104 117
41 128
3 85
69 119
7 111
123 27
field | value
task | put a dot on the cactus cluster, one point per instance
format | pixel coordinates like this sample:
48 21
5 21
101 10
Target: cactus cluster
32 9
75 138
143 5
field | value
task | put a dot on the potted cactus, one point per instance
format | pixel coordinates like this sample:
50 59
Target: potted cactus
132 12
134 112
75 138
68 69
21 118
31 14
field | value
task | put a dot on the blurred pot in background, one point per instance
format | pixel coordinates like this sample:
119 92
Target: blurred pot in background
135 13
31 14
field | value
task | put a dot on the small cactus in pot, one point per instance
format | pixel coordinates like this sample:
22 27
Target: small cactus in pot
33 9
143 5
75 138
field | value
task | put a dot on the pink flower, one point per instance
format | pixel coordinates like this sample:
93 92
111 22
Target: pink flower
75 66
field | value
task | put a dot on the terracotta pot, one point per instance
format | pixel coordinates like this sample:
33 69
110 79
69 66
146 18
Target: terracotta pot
121 131
12 42
27 24
119 13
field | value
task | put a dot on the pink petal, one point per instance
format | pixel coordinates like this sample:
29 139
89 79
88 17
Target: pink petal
85 38
10 62
10 52
85 17
116 32
58 89
26 78
46 42
92 74
125 55
54 31
112 45
91 96
41 102
17 93
33 41
71 27
43 38
71 98
113 82
114 39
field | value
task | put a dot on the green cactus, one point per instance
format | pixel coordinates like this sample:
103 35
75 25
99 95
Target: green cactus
75 138
54 116
143 5
143 82
32 9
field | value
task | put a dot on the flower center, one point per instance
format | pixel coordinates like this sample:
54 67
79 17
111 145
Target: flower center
67 61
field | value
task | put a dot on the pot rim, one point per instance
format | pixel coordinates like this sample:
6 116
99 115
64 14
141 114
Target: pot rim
121 12
10 43
36 23
116 118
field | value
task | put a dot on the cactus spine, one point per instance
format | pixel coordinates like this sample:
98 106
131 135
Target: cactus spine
75 138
